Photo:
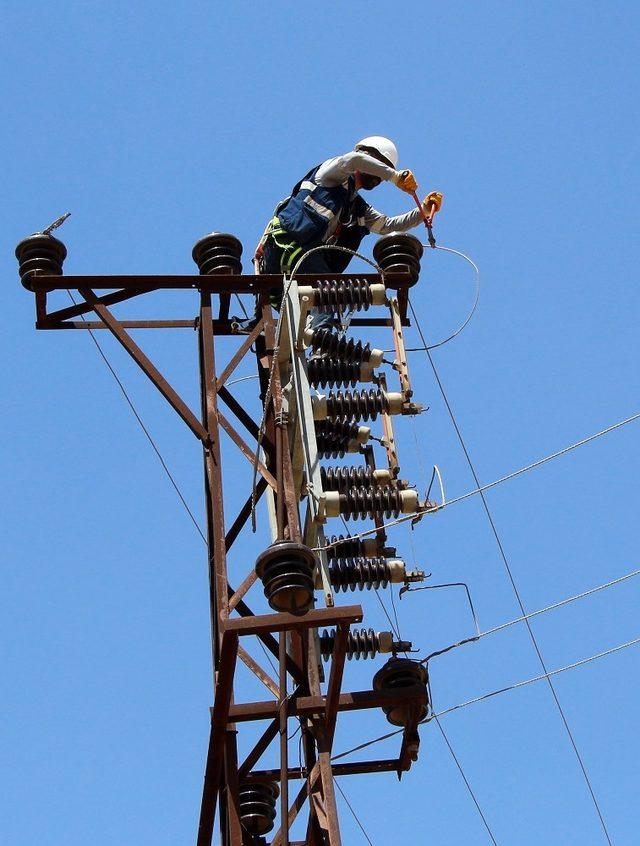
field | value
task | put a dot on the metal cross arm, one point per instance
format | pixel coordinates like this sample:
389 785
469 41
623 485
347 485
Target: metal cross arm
308 706
214 284
286 622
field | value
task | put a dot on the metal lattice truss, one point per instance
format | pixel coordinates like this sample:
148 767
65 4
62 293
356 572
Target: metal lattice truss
289 474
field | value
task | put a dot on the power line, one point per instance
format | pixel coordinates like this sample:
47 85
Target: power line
480 489
466 781
511 577
142 425
545 675
156 450
355 816
478 635
561 603
493 693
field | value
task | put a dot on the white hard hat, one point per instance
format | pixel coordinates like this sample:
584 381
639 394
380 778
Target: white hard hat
384 146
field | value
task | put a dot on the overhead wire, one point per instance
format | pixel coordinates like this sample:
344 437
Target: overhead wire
467 320
142 425
466 781
480 634
545 675
512 579
353 813
482 488
562 602
582 662
155 447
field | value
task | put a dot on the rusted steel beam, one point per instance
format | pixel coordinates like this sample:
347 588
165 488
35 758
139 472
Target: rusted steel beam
257 670
267 639
246 585
149 369
82 308
232 284
259 749
283 622
329 807
244 514
356 768
247 421
232 783
401 364
126 324
225 302
246 450
213 462
335 679
284 746
296 807
209 798
219 719
41 307
308 706
239 355
293 516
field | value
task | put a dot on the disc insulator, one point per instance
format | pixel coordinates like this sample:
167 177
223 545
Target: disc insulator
41 255
399 254
334 438
286 570
257 806
340 546
218 253
402 674
356 405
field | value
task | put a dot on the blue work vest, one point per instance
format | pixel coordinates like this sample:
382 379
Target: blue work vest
306 214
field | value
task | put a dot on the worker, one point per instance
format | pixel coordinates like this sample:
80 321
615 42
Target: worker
325 207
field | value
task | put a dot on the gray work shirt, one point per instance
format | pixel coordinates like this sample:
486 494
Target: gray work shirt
337 171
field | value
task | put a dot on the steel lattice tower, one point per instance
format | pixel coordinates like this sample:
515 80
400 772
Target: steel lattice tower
301 563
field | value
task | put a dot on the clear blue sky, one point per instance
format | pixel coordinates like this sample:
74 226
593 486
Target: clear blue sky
156 123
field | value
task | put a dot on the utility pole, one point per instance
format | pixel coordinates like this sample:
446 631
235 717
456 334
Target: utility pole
302 569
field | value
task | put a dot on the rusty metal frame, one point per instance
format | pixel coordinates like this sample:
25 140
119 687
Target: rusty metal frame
288 638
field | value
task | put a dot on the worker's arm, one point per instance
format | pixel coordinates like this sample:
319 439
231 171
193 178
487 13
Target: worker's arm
382 224
336 171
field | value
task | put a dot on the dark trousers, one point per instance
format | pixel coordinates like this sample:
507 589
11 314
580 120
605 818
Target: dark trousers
274 260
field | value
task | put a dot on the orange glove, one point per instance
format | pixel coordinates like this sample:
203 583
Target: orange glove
432 203
406 181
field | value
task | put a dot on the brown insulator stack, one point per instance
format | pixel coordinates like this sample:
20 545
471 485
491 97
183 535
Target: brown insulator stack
360 503
328 371
287 573
218 253
326 342
336 438
333 294
257 806
404 674
399 253
41 255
